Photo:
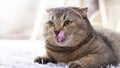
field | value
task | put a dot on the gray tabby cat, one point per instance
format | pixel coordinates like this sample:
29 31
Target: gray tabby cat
71 39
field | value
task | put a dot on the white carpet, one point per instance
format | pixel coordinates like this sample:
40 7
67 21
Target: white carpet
21 54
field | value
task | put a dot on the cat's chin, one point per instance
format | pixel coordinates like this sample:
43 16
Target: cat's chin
63 43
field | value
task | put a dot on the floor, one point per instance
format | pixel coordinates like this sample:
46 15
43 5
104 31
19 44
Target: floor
21 53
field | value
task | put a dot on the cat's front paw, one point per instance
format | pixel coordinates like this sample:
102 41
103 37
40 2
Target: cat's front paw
74 64
43 60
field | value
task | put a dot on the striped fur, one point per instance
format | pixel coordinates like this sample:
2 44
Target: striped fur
84 47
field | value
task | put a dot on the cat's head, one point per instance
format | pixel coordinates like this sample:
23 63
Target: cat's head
67 26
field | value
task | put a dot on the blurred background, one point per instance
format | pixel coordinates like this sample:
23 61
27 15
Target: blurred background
23 19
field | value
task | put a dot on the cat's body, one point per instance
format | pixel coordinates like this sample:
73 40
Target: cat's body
71 39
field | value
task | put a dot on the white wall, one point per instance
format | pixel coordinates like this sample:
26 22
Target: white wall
16 16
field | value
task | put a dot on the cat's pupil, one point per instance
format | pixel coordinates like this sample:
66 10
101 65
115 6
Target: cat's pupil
67 22
51 23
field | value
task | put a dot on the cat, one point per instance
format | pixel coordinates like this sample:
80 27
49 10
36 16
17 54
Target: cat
71 39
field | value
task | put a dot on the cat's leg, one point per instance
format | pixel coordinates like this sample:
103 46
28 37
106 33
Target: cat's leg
44 59
90 61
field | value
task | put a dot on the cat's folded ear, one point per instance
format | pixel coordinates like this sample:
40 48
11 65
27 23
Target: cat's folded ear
50 9
82 11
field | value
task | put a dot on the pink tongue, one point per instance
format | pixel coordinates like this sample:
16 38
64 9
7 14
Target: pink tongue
61 36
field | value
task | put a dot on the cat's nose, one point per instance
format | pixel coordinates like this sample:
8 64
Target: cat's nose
57 32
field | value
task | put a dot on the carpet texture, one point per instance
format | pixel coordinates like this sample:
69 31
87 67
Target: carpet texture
21 54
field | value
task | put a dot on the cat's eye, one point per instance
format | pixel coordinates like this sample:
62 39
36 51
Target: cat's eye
51 23
67 22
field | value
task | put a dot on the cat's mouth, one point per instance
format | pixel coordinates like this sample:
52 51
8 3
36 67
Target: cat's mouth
60 36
